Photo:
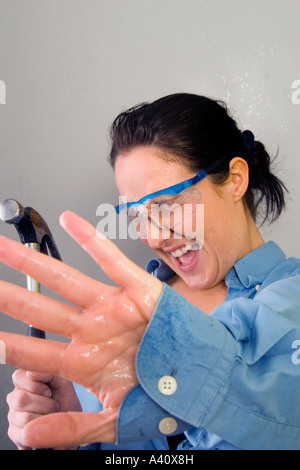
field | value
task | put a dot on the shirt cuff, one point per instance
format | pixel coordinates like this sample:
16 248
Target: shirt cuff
140 418
181 362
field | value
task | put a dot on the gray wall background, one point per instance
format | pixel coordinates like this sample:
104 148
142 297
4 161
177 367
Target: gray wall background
71 65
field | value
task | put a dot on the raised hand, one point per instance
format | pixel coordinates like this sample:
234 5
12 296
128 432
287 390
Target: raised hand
104 323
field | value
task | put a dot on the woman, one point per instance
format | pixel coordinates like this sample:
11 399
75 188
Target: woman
204 346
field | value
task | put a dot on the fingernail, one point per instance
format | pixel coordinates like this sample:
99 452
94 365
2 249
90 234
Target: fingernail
47 393
2 352
31 374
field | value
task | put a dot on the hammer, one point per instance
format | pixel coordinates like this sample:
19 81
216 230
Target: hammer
34 233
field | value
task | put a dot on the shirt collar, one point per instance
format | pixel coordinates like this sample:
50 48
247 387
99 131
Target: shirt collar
254 267
160 269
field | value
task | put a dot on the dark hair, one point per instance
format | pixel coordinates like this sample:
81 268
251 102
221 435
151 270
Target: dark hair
200 131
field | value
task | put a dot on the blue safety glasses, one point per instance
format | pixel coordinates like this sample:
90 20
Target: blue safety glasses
175 189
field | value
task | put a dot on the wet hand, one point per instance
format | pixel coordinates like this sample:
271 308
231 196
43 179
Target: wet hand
105 325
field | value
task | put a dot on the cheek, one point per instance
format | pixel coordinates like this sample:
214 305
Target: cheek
216 219
218 241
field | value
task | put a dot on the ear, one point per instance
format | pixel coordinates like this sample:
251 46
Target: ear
238 177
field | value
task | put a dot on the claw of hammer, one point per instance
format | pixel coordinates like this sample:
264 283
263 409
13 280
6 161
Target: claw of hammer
34 233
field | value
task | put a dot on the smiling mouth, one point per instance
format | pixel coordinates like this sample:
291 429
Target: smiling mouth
185 249
186 258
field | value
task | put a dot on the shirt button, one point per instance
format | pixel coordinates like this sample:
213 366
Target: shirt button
167 425
167 385
257 287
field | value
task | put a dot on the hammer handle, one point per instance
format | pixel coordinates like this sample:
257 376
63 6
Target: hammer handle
34 332
34 286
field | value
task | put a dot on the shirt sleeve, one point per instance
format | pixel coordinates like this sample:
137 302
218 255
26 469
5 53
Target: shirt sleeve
230 372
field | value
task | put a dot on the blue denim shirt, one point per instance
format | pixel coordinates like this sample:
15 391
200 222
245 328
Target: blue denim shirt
237 385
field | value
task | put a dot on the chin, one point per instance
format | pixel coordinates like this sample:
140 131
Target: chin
197 281
203 276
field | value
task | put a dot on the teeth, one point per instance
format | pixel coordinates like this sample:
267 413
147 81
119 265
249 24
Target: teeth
184 250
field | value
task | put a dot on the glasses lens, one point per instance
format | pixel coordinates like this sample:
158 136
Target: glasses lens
135 212
166 216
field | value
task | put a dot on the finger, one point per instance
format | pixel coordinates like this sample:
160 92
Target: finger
14 433
68 282
20 418
68 429
113 262
38 310
23 380
24 401
33 354
39 378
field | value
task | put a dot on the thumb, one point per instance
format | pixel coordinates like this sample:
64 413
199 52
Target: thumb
60 430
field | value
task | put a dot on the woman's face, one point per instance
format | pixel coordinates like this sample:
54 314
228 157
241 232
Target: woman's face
143 171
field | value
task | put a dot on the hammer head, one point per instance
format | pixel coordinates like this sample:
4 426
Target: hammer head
11 211
30 225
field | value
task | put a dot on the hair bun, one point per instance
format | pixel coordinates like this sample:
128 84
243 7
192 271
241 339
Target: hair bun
249 139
